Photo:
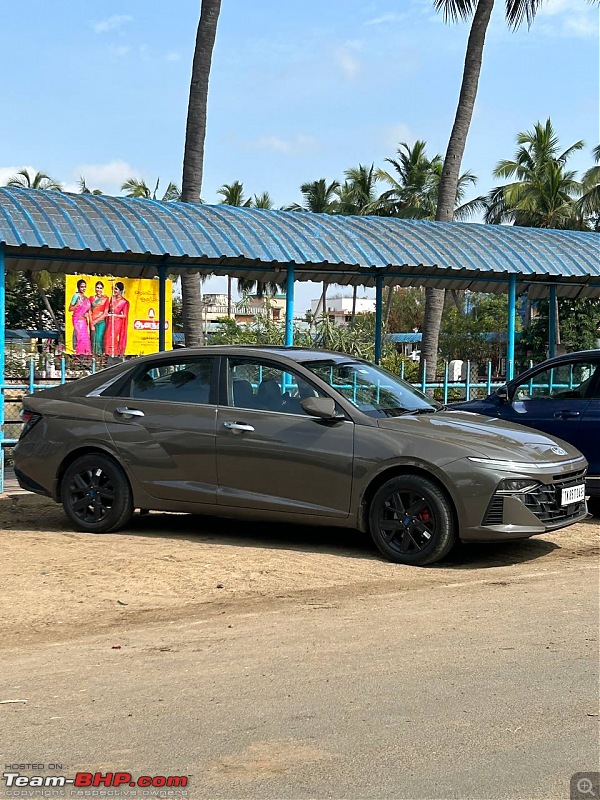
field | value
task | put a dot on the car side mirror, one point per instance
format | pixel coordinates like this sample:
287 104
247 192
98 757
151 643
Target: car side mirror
321 407
502 394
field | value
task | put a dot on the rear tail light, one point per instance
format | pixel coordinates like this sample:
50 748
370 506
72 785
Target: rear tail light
29 419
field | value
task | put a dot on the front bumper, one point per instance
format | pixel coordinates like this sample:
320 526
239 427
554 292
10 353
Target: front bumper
521 515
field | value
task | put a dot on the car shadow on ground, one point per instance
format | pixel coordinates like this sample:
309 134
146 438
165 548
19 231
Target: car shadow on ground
29 513
344 542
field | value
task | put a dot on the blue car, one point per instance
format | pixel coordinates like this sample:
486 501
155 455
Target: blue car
560 396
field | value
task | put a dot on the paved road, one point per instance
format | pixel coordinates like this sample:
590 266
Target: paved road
477 689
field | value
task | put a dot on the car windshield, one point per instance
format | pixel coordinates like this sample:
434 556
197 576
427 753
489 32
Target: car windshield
374 391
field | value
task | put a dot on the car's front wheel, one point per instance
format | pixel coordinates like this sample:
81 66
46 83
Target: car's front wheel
96 494
411 521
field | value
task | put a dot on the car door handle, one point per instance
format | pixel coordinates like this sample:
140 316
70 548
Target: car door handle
566 414
129 412
238 426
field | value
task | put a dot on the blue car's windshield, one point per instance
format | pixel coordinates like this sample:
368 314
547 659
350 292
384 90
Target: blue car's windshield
374 391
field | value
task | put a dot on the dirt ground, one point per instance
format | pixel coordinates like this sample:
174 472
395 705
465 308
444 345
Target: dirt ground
56 584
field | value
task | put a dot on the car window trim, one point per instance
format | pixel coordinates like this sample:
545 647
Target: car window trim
224 385
535 371
165 362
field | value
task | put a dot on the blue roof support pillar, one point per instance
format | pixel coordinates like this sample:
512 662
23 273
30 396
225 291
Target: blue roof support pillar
289 306
162 284
2 362
378 316
512 321
552 322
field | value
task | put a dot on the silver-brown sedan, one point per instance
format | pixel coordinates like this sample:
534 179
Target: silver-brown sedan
292 435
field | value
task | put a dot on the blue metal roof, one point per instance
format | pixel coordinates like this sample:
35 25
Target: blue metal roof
404 338
72 233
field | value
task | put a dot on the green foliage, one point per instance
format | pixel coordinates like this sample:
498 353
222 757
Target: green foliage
407 310
466 335
579 323
25 309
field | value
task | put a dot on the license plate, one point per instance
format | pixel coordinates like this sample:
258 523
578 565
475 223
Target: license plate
574 494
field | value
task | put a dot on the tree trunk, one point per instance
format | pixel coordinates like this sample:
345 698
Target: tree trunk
324 301
388 306
434 298
354 294
193 156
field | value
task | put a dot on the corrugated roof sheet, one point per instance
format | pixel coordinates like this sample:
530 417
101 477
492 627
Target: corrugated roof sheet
66 233
404 338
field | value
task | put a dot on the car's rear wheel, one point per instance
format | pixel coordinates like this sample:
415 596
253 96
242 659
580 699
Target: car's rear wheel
411 521
96 494
594 506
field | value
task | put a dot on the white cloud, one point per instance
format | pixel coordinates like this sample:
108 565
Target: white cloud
7 172
173 56
384 18
294 145
392 135
346 58
71 187
113 23
571 18
107 177
122 51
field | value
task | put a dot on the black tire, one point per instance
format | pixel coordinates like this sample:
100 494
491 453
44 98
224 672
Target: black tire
96 494
594 506
411 521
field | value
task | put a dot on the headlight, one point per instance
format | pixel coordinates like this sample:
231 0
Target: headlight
522 466
516 486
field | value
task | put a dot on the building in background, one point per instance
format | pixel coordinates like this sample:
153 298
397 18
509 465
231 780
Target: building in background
243 311
339 309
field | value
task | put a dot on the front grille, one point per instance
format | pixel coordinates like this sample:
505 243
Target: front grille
544 501
570 478
495 511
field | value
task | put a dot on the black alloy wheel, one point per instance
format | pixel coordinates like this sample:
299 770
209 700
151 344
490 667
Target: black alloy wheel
411 521
96 495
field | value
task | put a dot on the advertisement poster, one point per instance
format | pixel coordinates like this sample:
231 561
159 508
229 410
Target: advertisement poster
114 316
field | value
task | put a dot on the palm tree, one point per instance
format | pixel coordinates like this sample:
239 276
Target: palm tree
480 11
133 187
23 179
543 193
320 197
233 195
415 185
262 201
193 156
588 205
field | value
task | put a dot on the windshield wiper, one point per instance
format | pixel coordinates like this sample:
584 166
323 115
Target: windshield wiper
427 410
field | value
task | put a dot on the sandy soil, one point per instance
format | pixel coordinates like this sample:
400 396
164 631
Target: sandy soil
56 584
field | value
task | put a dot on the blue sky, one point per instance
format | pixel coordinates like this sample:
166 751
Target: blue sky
298 91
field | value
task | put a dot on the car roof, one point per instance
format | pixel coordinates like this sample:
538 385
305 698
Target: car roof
299 354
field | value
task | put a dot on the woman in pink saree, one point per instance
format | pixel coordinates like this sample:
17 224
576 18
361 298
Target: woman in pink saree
115 336
80 307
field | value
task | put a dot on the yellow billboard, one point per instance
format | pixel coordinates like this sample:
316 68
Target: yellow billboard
114 316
